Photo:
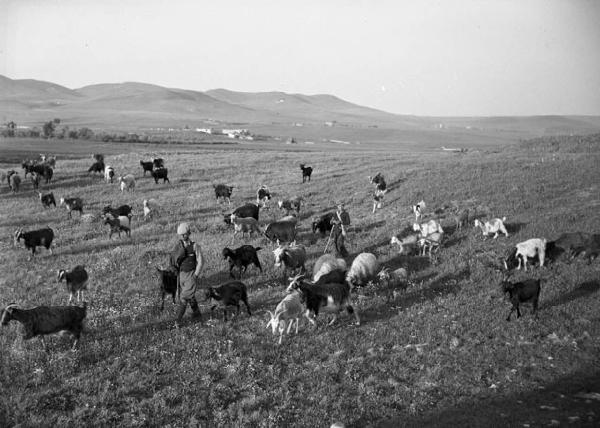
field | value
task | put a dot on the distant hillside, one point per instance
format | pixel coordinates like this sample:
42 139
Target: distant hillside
134 105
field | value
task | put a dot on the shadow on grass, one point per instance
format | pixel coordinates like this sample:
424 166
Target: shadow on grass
108 244
562 397
444 285
582 290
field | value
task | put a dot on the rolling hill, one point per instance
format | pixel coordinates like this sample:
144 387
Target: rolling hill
133 105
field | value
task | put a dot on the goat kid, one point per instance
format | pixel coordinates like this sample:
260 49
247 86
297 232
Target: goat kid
229 294
522 292
76 281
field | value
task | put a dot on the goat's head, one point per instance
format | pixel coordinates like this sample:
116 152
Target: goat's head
279 252
7 314
384 274
227 253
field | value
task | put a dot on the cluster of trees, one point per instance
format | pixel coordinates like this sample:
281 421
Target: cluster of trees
49 129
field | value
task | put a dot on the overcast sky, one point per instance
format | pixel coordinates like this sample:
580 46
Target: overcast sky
447 57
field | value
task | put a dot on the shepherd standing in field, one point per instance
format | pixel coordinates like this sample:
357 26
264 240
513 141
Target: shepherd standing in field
340 222
187 260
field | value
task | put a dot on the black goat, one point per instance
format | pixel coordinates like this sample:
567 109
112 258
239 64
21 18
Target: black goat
72 204
323 224
223 191
98 157
575 243
168 285
241 257
229 294
248 210
282 231
123 210
96 167
160 173
35 238
47 199
306 172
76 281
47 320
147 166
158 162
116 227
331 297
522 292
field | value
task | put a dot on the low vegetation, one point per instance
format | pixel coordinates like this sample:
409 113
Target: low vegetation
435 350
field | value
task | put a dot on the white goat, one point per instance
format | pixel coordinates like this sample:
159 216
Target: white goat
406 244
428 228
433 240
127 182
289 309
529 248
364 267
244 224
109 173
495 226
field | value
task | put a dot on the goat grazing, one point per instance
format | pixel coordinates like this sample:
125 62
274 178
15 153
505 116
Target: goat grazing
527 249
248 210
168 285
122 210
292 257
229 294
246 224
289 309
408 244
47 199
241 257
116 226
306 172
522 292
44 320
147 167
281 231
392 278
127 183
363 268
76 281
223 191
72 204
290 204
160 174
332 297
109 173
428 228
35 238
263 195
494 226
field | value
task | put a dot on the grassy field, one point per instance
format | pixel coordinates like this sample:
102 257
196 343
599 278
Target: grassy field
437 352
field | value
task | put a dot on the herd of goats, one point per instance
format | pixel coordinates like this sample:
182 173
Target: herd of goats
332 281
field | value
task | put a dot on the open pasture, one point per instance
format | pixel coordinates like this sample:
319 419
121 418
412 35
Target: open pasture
436 352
